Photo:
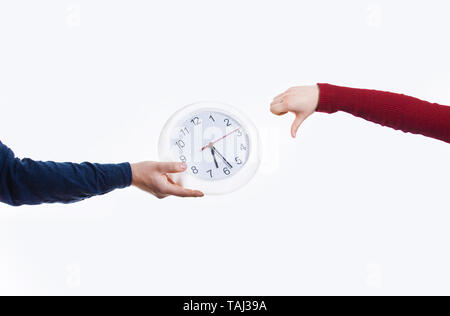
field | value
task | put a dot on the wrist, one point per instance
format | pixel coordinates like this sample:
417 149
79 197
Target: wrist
134 174
316 97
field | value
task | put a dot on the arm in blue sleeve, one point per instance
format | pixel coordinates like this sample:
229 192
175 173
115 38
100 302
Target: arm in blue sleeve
33 182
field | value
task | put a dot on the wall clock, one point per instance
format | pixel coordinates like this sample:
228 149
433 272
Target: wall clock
219 144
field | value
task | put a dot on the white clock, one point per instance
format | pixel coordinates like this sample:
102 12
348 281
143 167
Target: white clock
219 144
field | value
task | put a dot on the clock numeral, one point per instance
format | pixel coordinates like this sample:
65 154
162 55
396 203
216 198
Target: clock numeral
185 131
210 173
194 170
238 160
212 118
195 121
180 144
243 147
227 121
183 159
226 171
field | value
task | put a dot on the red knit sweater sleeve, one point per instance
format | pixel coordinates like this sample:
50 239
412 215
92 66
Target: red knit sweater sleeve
398 111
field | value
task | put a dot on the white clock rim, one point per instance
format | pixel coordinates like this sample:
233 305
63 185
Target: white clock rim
218 187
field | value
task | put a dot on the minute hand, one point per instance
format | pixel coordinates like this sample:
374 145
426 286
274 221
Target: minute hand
220 155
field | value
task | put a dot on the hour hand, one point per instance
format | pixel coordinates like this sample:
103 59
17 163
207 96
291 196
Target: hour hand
214 156
221 156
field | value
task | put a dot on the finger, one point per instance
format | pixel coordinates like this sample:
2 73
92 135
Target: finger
279 108
280 98
281 95
172 167
172 182
177 190
299 119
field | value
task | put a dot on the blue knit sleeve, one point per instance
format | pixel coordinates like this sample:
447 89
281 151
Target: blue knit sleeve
33 182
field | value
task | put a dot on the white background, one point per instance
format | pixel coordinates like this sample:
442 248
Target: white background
348 208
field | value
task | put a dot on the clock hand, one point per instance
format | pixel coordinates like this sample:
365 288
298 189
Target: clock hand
220 155
211 144
214 156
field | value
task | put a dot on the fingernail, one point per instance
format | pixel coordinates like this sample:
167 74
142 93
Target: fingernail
183 166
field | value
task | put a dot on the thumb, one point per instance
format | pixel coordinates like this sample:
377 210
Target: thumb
299 119
171 167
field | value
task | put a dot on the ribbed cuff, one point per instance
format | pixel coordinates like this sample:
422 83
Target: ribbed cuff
327 99
128 174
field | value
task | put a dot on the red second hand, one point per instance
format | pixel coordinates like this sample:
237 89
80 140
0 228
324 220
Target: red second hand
212 143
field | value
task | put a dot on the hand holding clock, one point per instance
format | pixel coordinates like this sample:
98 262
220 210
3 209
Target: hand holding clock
153 177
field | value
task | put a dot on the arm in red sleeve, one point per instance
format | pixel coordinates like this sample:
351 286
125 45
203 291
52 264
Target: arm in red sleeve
397 111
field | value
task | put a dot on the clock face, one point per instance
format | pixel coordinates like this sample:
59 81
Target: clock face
219 144
214 145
